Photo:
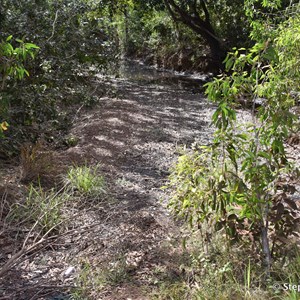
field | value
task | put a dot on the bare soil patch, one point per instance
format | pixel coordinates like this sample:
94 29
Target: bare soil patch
123 238
121 244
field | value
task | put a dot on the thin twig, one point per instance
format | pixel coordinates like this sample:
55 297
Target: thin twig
16 257
53 26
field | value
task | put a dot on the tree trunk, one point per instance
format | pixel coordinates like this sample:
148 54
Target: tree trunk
217 52
265 240
189 15
266 250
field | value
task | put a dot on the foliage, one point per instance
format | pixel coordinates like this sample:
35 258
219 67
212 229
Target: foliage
204 18
146 30
13 59
233 182
86 180
60 27
3 127
12 66
72 35
42 209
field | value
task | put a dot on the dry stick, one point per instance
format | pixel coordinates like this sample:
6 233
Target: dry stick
8 297
23 250
12 261
16 256
81 230
43 288
3 199
46 287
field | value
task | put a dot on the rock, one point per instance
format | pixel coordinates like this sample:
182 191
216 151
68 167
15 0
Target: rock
69 271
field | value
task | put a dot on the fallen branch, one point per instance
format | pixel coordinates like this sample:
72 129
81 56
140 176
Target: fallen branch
40 244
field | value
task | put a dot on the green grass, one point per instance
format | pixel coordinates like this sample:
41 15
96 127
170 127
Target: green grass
42 208
227 274
86 180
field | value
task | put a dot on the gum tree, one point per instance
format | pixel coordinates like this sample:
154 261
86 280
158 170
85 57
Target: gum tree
234 183
204 18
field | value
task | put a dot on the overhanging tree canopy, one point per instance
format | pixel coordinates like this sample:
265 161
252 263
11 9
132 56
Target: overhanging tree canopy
195 15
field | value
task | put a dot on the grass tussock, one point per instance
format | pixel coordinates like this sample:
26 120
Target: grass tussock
221 271
86 180
42 209
35 162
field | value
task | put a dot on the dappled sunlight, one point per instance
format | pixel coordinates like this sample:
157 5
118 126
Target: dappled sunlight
148 113
115 121
149 150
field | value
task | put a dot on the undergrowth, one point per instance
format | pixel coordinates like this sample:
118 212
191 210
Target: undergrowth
235 184
217 270
92 280
42 209
86 180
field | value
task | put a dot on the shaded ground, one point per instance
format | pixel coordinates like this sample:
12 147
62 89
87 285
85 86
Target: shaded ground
135 138
119 245
120 238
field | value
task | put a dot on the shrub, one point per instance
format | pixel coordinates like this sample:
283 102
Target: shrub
12 67
233 183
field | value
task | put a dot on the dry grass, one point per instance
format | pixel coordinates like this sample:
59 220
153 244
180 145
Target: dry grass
223 274
35 161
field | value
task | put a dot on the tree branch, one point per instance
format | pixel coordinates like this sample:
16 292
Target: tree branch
207 16
194 22
172 13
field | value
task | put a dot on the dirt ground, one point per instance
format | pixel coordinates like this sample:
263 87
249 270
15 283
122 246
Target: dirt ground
134 137
122 239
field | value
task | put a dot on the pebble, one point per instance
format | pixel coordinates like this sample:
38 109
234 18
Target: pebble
69 271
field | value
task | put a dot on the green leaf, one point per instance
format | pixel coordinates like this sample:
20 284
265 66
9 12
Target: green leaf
264 155
31 46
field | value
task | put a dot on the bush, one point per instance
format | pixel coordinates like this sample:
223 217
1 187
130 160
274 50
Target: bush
233 183
72 35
